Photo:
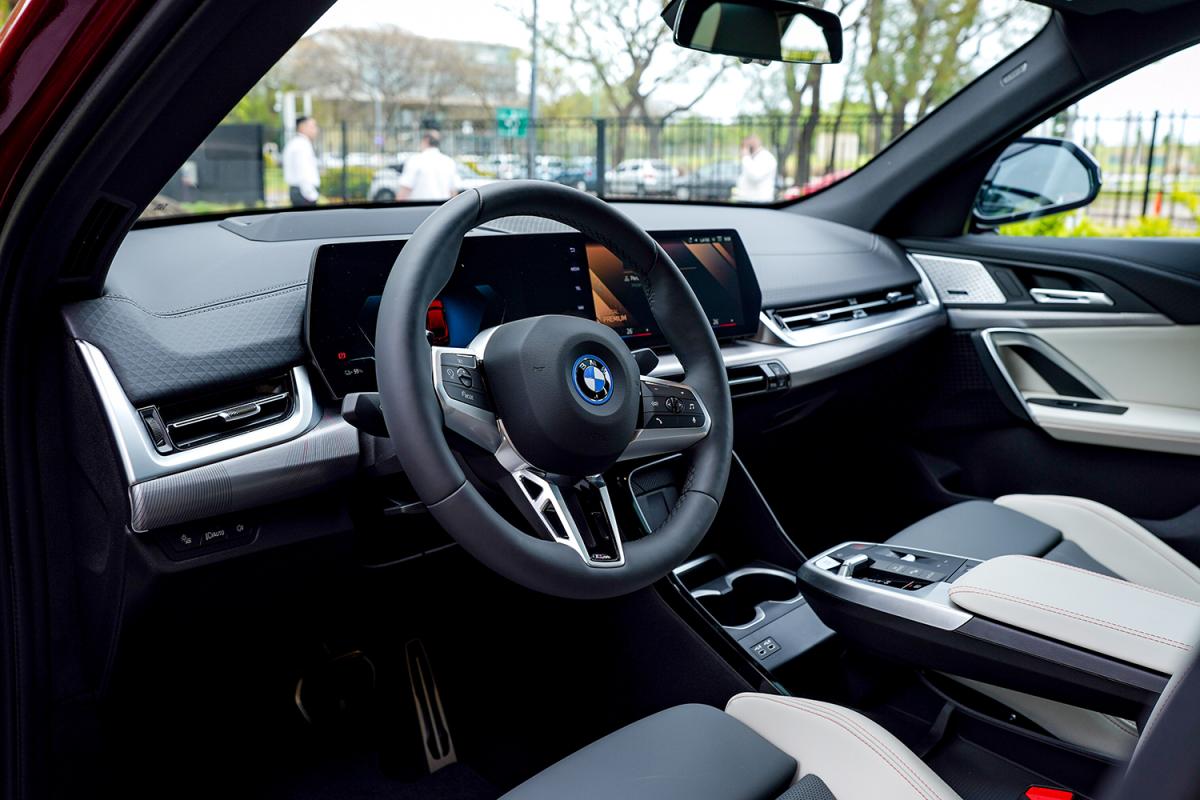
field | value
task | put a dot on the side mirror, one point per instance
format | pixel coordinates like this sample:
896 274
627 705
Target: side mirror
1035 177
757 30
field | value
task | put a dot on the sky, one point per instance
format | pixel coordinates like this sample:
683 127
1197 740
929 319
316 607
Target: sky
1169 85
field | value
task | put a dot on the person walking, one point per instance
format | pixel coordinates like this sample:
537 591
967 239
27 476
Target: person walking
756 183
430 174
300 171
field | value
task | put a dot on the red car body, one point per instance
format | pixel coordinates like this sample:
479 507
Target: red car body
49 51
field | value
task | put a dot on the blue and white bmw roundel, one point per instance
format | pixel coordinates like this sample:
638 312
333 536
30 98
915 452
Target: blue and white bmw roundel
592 379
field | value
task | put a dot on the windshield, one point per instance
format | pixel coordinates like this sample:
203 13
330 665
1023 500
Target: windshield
386 102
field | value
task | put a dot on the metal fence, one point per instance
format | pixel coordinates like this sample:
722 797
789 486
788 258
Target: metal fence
1151 163
690 157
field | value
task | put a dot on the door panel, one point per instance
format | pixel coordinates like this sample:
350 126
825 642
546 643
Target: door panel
1098 399
1119 387
1159 365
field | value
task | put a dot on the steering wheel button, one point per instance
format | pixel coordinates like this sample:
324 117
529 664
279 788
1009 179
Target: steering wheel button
472 397
459 360
464 376
673 405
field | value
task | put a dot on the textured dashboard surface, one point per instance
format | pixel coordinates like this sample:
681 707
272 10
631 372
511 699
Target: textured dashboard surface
196 305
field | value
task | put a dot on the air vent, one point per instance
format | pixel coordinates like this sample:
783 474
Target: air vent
767 376
846 309
191 422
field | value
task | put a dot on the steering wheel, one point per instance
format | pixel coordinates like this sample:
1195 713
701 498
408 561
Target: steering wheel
558 400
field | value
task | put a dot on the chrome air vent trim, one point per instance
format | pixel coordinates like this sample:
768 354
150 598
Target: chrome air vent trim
139 458
926 305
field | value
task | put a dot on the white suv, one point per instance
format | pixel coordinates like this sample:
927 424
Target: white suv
641 177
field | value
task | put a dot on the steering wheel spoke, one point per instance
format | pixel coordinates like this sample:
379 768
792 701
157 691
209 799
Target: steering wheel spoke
578 516
673 419
463 394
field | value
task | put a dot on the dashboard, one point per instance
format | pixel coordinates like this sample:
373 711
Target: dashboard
503 278
238 332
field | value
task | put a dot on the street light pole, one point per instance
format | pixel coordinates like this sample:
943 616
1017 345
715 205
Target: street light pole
531 127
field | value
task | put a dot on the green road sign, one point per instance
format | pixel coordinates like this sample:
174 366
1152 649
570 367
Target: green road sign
512 121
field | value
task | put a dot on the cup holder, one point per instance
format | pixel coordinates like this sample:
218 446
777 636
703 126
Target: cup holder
728 609
739 603
760 587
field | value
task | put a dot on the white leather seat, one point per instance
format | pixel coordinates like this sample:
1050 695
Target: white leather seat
759 749
1083 533
853 756
1114 540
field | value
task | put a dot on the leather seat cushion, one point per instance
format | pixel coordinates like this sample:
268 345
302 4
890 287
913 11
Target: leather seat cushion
853 756
979 529
690 752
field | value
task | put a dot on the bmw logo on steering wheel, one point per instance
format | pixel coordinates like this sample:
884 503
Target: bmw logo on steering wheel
592 379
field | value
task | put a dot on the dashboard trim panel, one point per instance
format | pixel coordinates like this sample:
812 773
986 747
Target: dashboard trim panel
321 456
823 334
142 462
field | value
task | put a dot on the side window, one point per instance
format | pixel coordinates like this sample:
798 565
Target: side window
1143 132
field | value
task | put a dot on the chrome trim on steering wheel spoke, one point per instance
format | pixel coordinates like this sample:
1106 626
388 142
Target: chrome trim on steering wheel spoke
546 498
657 442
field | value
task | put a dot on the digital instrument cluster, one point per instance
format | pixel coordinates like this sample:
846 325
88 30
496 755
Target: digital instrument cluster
500 278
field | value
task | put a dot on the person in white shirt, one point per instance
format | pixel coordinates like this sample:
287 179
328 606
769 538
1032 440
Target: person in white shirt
430 174
300 171
756 183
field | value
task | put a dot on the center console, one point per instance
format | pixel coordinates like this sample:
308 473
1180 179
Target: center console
1018 622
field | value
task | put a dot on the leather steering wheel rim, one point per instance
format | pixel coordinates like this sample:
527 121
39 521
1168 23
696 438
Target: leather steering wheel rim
415 420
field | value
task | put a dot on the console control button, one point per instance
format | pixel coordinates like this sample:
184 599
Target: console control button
196 539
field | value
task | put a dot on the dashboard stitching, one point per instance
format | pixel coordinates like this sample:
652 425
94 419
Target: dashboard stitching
216 306
214 302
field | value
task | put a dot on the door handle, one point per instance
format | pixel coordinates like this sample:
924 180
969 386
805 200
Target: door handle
1071 296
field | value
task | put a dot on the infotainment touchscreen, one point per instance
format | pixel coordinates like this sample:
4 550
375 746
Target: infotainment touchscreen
500 278
713 264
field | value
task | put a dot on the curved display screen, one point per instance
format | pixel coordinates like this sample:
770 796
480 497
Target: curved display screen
503 278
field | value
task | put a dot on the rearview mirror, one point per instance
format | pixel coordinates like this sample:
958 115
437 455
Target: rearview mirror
1035 177
757 30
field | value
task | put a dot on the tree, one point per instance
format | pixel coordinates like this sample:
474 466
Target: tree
626 51
919 52
383 64
796 89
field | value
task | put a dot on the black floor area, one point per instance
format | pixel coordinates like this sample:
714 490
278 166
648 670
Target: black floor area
361 778
208 708
205 706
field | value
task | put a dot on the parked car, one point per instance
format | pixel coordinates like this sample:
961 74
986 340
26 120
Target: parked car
820 182
547 168
579 172
641 177
717 182
503 166
386 182
709 182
